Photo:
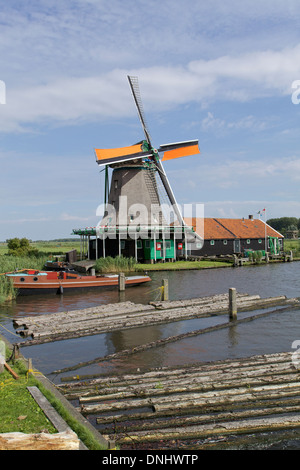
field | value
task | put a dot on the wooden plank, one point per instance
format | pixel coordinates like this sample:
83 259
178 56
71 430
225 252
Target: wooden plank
11 371
42 441
57 421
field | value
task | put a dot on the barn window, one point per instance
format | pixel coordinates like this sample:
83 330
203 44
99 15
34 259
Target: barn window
248 241
260 240
224 242
212 242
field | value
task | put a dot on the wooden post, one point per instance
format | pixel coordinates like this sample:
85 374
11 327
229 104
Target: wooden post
232 304
16 352
165 289
30 369
2 356
11 371
121 282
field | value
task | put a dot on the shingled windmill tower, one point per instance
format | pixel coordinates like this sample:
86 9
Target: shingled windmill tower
142 218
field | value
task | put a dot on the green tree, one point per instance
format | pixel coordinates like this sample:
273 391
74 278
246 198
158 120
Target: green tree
20 247
281 224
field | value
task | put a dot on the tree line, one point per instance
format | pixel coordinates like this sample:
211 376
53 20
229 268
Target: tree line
284 224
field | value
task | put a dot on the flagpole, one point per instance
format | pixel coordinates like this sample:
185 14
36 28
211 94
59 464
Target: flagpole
266 247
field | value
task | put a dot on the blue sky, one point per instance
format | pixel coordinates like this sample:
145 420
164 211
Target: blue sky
221 72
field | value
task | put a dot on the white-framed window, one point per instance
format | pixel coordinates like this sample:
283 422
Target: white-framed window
259 240
212 242
248 241
224 242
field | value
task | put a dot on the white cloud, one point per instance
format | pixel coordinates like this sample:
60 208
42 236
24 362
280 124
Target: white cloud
80 99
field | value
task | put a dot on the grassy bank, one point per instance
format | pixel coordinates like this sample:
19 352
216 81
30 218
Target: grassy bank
294 246
19 412
120 264
182 265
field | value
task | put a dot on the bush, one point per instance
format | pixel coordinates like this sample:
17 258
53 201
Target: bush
20 247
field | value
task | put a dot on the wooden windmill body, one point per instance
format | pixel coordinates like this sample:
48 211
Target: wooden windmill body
134 215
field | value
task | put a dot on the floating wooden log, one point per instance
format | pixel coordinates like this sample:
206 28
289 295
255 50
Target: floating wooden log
170 339
112 317
224 398
213 429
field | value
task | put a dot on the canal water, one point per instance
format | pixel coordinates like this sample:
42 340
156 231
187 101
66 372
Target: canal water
273 333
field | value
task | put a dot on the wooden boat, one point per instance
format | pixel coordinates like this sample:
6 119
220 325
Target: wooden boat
37 282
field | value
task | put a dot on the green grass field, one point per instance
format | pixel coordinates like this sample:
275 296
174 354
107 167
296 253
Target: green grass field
48 247
294 246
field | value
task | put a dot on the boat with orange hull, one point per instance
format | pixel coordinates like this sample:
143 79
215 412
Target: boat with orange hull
37 282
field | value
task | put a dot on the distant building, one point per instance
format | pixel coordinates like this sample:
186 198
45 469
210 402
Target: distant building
292 234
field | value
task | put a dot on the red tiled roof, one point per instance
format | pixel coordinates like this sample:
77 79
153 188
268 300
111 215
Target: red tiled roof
234 228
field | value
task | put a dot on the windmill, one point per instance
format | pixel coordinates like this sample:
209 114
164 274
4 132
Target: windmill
133 199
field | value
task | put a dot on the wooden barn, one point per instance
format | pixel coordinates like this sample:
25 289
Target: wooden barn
237 236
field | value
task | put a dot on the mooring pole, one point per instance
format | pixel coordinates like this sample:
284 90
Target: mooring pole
232 304
165 289
121 282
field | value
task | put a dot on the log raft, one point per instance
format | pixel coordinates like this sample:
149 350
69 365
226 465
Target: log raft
125 315
188 407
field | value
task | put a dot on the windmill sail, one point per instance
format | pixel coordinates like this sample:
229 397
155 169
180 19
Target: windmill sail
179 149
117 155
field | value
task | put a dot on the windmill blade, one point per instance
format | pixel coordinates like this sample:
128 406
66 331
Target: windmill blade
117 155
179 149
134 85
169 191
